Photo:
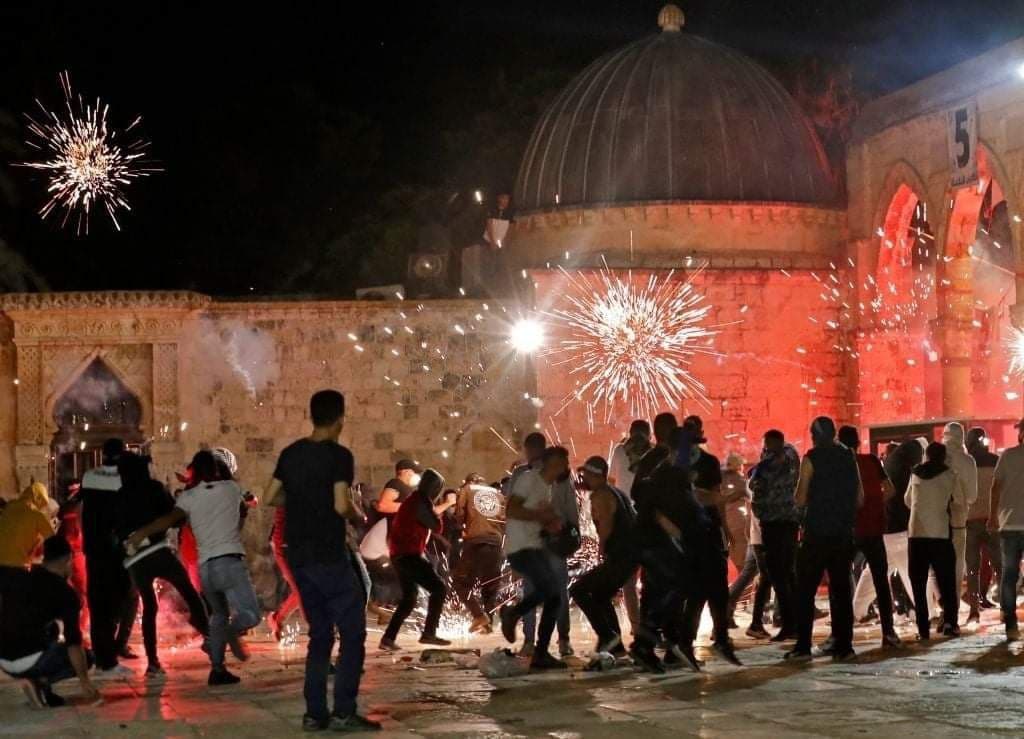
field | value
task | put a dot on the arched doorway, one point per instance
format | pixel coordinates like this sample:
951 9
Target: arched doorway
96 407
899 363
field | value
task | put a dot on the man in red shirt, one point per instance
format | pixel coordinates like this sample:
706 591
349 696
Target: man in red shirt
417 517
870 528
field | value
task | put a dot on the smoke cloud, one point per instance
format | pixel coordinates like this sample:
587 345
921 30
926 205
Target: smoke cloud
231 350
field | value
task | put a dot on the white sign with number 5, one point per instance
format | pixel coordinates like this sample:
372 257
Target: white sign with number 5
963 144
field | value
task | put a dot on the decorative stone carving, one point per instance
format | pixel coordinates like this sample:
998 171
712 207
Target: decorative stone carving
165 391
120 300
29 395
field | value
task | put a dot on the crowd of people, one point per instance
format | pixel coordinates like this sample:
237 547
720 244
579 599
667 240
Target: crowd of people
667 521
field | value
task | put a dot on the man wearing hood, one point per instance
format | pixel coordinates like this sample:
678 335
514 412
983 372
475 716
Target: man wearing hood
1007 515
979 536
964 465
108 588
830 492
773 492
24 525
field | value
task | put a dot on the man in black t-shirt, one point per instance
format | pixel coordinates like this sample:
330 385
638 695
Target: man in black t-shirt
398 488
313 482
31 603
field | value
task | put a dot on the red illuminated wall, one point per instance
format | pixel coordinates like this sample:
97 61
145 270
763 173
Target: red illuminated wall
778 366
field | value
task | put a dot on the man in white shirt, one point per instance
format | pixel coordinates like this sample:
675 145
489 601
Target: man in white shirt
213 508
529 513
1007 515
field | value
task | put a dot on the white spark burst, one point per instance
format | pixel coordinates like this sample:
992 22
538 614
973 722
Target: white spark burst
82 155
1015 346
632 342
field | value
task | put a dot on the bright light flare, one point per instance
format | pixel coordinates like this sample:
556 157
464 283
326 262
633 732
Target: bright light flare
632 342
84 158
1020 70
526 336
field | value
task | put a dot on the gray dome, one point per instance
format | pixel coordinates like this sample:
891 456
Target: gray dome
673 117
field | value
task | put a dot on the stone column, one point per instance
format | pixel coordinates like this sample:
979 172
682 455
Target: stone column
954 333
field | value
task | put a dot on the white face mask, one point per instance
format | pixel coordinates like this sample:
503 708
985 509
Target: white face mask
414 479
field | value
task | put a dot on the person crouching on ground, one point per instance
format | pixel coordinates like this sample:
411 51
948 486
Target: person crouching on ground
418 517
32 602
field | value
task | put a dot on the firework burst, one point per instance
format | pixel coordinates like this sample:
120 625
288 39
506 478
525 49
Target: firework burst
632 342
84 159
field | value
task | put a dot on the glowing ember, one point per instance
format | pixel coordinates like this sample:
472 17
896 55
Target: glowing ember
83 159
633 343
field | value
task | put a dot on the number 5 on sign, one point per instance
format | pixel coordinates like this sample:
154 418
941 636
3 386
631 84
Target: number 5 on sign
963 144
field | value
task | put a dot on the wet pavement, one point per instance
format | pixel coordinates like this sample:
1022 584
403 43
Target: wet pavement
972 686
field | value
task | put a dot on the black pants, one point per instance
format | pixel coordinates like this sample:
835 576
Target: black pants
112 607
53 665
873 549
594 591
980 540
711 588
666 578
416 572
938 555
163 565
479 565
779 542
816 556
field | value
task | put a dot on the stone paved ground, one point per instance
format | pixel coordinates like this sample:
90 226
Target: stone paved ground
973 686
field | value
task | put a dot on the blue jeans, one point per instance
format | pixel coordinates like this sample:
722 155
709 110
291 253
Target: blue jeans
1012 545
332 598
53 665
545 587
228 590
561 569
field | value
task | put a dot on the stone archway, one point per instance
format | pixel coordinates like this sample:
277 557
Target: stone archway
977 293
898 373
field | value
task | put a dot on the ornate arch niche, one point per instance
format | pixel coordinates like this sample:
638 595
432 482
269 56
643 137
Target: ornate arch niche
58 335
97 405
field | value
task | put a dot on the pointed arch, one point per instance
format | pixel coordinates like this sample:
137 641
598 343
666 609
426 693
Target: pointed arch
68 381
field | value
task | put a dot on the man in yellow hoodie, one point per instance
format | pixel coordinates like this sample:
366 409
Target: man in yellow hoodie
24 524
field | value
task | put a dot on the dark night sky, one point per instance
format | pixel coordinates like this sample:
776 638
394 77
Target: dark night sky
242 102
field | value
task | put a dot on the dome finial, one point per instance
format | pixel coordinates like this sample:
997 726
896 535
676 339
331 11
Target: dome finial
671 18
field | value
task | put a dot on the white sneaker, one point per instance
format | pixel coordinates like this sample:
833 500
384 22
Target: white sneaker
117 672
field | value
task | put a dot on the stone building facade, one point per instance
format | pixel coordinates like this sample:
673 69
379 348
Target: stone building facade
635 166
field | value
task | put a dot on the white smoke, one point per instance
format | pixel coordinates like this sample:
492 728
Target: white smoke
232 350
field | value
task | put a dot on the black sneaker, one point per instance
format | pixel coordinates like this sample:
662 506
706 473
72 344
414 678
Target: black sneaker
126 652
222 677
353 722
313 724
783 636
51 699
845 655
434 640
891 641
950 630
724 649
508 624
155 670
647 659
542 660
797 656
389 645
684 655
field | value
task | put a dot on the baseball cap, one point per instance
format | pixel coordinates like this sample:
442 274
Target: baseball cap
408 464
595 465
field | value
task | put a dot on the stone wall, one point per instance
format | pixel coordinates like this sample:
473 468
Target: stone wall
777 365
